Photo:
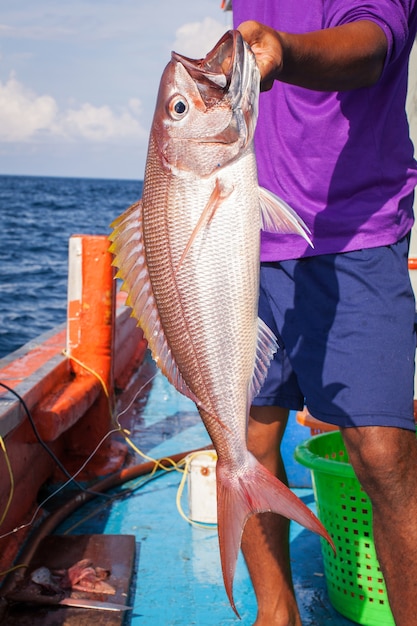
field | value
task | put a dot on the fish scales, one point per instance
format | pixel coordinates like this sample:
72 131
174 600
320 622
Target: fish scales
194 305
212 291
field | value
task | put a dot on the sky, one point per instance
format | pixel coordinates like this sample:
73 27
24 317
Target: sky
79 79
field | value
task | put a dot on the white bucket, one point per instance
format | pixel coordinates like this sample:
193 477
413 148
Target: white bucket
202 500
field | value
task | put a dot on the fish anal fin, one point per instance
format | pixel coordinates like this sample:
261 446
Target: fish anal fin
278 217
265 349
241 495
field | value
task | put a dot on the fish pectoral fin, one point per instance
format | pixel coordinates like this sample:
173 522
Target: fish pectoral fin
278 217
265 349
239 497
218 195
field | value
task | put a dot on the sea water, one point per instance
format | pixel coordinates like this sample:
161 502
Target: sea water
38 216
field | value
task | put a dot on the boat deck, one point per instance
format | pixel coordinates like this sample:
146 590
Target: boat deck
177 579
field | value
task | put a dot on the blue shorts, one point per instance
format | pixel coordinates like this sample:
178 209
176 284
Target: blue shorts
345 326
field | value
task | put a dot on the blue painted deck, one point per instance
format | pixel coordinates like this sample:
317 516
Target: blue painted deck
178 579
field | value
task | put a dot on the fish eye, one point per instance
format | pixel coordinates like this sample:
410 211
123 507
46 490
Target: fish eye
178 107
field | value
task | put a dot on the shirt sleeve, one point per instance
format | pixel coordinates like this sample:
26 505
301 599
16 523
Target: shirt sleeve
391 15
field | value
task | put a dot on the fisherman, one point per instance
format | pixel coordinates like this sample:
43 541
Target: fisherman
332 140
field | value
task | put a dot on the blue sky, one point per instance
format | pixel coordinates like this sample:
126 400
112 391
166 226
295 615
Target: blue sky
78 79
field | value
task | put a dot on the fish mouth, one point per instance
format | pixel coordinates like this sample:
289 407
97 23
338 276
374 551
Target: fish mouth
228 74
214 74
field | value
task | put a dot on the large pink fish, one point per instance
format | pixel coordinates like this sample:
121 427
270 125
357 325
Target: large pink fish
188 254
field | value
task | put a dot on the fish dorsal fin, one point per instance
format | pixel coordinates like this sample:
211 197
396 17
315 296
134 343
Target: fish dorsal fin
129 257
278 217
265 349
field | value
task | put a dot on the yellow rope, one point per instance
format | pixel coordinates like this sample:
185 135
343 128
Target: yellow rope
9 499
9 469
157 463
182 466
94 373
124 431
12 569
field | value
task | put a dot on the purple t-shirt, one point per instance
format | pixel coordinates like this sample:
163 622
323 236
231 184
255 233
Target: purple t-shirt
342 160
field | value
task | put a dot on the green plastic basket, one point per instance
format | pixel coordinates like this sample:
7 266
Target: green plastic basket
354 580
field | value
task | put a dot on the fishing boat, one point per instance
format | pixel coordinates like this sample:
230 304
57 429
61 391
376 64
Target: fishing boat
104 464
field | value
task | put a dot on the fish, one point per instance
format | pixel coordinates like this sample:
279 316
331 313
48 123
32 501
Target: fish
188 255
82 576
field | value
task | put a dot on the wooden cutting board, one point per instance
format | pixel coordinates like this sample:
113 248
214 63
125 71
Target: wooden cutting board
115 553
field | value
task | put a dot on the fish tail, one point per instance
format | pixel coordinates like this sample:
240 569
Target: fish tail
254 491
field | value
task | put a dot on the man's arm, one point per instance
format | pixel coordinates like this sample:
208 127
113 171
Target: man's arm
334 59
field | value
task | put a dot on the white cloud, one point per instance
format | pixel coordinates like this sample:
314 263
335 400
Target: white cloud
26 116
197 38
23 113
100 123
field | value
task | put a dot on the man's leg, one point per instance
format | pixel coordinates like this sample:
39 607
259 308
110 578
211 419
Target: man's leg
265 541
385 462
